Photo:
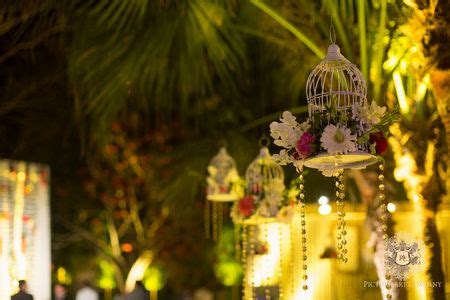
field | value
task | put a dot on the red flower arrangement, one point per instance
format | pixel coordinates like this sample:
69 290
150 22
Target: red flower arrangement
380 141
305 145
247 205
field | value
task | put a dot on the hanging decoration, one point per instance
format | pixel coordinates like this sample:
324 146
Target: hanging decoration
266 206
223 185
342 131
264 200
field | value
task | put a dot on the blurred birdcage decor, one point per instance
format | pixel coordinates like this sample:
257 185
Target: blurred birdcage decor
265 192
223 185
222 173
264 215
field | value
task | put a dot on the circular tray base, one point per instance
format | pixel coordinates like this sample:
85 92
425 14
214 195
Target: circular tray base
353 160
258 220
221 198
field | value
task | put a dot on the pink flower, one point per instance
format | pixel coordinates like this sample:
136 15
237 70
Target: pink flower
247 206
305 146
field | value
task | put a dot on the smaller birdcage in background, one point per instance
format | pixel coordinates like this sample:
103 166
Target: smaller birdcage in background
222 173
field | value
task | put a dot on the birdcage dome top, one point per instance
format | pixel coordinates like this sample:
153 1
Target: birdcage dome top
264 170
222 162
335 81
222 173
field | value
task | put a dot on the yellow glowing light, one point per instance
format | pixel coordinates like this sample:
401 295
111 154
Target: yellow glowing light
324 209
228 272
390 63
138 270
107 278
391 207
266 266
153 279
422 88
323 200
399 89
62 276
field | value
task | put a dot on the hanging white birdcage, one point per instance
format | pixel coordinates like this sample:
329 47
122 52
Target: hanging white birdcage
336 82
264 192
264 176
222 174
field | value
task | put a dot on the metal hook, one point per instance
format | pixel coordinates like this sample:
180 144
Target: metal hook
332 31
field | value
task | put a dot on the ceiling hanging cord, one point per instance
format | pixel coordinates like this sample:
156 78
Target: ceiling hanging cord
332 31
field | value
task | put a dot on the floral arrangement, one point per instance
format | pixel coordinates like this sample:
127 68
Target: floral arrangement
333 131
274 202
230 184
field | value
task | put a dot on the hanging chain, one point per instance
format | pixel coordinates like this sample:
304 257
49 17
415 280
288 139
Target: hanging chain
384 222
219 220
252 265
332 31
214 220
207 220
341 232
266 285
237 244
280 266
303 232
292 271
244 261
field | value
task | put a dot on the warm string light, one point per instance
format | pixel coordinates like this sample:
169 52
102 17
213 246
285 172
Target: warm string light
215 220
303 232
384 222
237 245
292 272
340 196
252 265
244 261
267 287
280 266
207 220
219 220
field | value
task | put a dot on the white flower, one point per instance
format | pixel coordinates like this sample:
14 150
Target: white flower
268 208
235 214
375 113
285 214
338 139
282 158
274 189
289 119
286 133
368 115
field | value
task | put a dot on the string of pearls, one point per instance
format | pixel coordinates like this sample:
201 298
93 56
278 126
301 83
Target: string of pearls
214 220
244 261
267 287
280 266
341 235
252 265
303 231
384 221
207 220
